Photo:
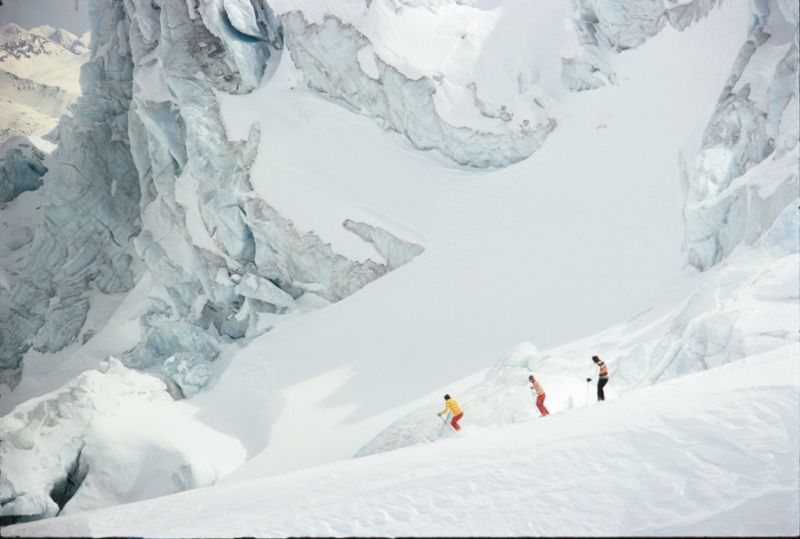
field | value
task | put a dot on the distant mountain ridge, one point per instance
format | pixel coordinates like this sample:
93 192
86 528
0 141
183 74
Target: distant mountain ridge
17 42
39 72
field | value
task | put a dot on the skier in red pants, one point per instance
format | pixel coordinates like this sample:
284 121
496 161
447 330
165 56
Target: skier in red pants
452 406
536 386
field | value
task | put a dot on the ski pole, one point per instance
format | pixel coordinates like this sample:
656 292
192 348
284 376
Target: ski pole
444 421
588 391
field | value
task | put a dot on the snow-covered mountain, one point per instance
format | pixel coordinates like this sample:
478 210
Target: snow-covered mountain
39 71
295 224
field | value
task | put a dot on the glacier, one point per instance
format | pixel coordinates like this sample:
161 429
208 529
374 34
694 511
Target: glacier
93 195
169 194
21 168
600 28
153 197
754 122
337 58
741 225
145 180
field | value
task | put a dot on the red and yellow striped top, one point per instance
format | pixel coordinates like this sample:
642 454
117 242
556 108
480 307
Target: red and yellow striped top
538 388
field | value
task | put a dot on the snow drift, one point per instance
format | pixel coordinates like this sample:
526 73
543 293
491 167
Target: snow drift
215 197
715 453
110 436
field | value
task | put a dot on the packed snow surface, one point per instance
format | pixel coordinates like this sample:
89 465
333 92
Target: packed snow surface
240 206
111 435
714 453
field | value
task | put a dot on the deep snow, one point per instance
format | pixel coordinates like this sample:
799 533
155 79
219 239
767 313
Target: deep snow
583 236
713 453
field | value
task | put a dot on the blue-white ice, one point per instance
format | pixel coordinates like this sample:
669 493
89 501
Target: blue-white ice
21 168
146 180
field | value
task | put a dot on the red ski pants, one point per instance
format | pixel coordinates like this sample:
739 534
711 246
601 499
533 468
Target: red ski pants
455 421
540 404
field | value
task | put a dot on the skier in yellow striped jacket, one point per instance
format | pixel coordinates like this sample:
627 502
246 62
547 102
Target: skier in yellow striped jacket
452 406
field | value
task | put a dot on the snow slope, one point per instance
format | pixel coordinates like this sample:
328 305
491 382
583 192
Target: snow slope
39 77
583 235
41 56
714 453
115 433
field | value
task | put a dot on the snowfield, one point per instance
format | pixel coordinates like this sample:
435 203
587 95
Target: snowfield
39 77
713 453
263 211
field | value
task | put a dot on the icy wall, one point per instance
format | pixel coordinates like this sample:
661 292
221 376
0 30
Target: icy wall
145 177
602 27
21 168
146 180
225 262
340 60
755 122
93 208
742 190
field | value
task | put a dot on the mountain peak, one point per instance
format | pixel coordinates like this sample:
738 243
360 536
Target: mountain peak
11 31
44 30
17 42
63 37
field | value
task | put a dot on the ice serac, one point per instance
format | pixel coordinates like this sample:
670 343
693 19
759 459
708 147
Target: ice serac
742 192
395 251
226 265
93 207
601 28
754 124
160 185
109 436
340 61
21 168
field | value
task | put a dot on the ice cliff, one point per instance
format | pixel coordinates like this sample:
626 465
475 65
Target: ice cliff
343 53
735 186
225 261
93 196
145 179
601 28
21 168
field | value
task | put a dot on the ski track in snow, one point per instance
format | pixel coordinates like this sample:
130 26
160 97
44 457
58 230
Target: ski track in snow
713 453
